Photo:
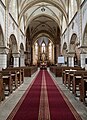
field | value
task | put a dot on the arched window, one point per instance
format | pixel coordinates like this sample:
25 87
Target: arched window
36 48
43 47
50 51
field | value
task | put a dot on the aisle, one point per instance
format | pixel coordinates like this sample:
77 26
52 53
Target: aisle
28 107
44 101
60 107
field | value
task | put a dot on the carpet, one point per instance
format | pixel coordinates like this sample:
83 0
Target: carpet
60 107
44 100
29 107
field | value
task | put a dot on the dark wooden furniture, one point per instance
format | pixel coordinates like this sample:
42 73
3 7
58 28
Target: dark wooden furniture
2 95
83 89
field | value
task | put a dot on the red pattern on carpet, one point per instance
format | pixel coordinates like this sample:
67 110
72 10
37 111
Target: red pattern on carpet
29 108
59 110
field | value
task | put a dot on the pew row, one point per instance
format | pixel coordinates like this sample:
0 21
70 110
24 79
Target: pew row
83 89
2 95
58 70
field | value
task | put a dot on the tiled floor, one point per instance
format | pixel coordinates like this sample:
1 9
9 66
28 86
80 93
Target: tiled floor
9 103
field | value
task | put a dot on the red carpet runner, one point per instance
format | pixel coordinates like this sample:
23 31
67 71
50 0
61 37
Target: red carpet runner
44 101
59 109
29 108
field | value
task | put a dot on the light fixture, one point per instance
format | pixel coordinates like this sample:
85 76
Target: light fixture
43 9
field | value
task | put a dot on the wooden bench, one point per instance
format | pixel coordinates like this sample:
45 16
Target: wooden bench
2 95
77 76
29 70
19 77
59 70
66 73
83 89
7 81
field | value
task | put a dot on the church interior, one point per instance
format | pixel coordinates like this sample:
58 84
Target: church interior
43 60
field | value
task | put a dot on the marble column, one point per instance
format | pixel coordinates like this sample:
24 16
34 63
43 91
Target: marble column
71 59
83 56
3 57
22 60
16 59
3 60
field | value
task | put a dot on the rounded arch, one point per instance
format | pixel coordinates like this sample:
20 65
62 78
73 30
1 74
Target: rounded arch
30 4
74 48
43 33
21 46
13 48
13 43
21 49
1 37
64 52
22 55
64 49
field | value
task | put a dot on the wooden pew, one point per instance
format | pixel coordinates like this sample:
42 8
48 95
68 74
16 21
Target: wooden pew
77 76
65 76
14 76
59 70
7 80
66 71
2 95
29 70
70 79
83 89
18 75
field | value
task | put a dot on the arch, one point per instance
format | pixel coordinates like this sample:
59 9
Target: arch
21 49
43 33
73 42
64 52
64 46
1 37
13 43
22 56
13 48
73 38
74 48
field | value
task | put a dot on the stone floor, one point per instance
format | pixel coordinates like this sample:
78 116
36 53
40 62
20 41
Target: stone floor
9 103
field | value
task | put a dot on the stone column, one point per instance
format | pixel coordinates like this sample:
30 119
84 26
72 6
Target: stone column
82 58
3 60
22 60
16 59
55 55
83 55
71 59
52 53
3 57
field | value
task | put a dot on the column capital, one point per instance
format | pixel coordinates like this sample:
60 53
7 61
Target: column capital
71 54
16 55
4 50
83 49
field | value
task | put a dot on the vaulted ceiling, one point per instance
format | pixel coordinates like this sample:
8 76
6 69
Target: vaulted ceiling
43 17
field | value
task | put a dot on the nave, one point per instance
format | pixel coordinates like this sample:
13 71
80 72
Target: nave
44 108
